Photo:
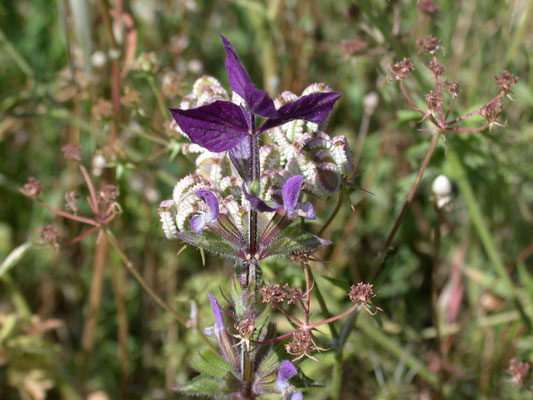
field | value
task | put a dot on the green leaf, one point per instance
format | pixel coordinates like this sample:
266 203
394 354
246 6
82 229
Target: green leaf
294 241
13 258
209 241
203 386
211 364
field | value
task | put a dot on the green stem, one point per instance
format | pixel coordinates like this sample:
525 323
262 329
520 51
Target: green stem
483 231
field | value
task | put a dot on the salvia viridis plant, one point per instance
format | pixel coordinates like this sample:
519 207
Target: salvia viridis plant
242 202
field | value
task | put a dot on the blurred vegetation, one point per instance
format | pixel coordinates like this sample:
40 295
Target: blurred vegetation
58 62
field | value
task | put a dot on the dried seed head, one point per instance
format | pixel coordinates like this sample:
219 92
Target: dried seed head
431 45
433 101
518 371
32 188
301 343
402 69
505 81
492 111
49 235
452 88
109 193
273 293
72 152
428 7
437 69
71 199
361 293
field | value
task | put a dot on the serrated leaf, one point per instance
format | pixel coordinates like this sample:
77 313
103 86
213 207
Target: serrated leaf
13 258
211 364
294 241
209 241
202 386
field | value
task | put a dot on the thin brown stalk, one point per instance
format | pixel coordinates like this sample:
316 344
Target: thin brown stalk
67 215
95 297
118 281
470 114
412 192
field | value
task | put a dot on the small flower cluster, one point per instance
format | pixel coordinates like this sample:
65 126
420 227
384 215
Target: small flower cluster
435 111
275 293
103 203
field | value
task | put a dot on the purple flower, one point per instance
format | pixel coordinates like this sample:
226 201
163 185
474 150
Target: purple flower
219 321
289 194
199 221
223 125
287 371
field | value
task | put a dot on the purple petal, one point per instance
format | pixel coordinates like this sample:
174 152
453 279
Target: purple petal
237 75
212 203
286 371
295 396
219 320
240 157
291 192
198 222
260 102
307 210
218 126
314 107
256 203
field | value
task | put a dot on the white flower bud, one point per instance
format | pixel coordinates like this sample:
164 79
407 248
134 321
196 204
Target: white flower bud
441 186
98 59
442 189
370 102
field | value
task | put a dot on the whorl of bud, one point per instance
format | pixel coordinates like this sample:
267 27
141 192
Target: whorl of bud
431 45
428 7
32 188
49 235
518 371
72 152
433 101
505 81
452 87
436 68
402 69
71 201
301 343
492 111
361 293
109 193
